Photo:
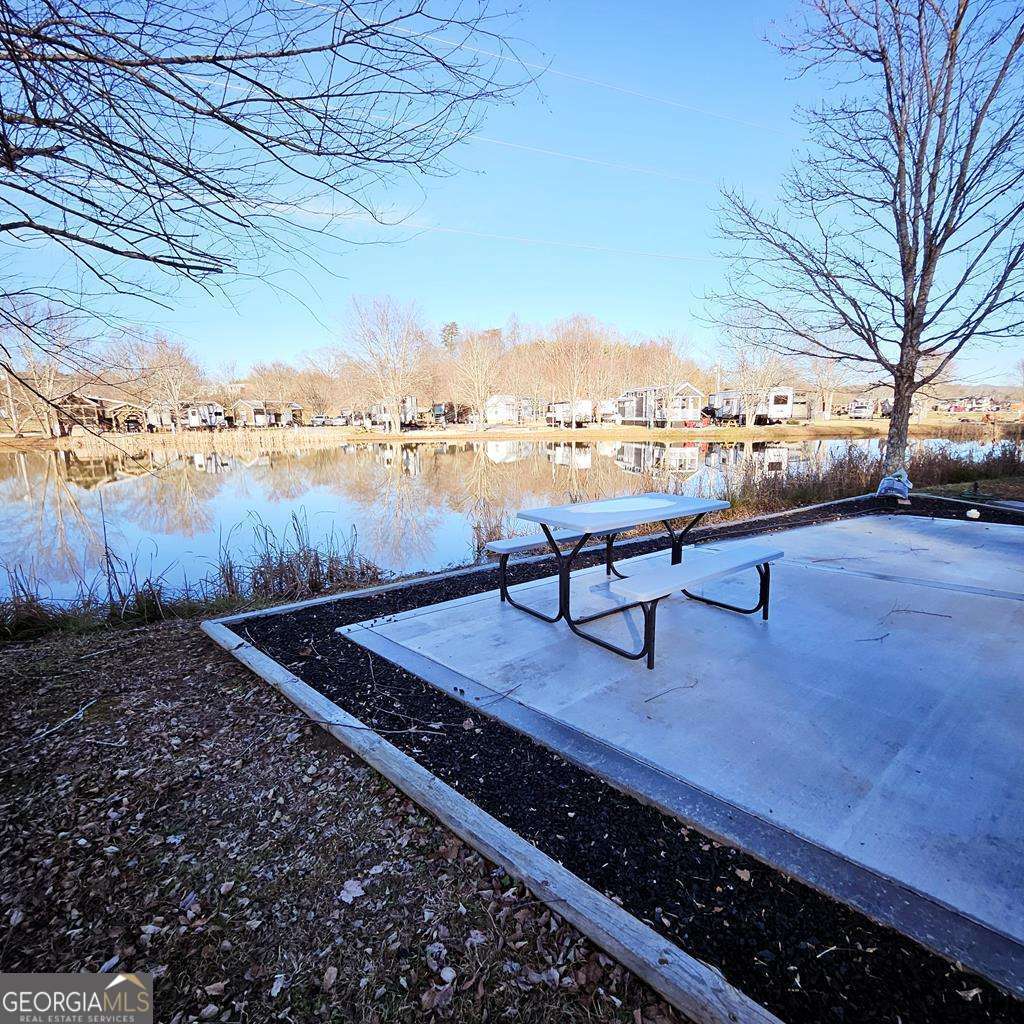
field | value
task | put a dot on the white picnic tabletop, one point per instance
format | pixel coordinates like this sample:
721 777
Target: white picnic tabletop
621 513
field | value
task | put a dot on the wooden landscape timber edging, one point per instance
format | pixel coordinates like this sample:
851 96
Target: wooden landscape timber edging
697 990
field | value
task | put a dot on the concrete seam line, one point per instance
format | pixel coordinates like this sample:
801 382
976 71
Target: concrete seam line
698 990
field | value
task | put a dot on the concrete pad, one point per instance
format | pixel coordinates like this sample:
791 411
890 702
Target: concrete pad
877 719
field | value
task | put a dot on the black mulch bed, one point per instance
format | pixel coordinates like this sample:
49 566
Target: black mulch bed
797 952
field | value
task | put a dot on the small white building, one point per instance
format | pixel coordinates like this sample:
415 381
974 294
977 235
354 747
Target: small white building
208 415
255 412
647 406
564 414
408 411
508 409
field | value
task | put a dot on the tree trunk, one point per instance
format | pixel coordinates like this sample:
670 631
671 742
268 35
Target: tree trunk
899 422
12 407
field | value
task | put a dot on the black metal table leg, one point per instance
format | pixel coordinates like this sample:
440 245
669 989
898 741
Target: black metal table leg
563 563
609 562
678 539
765 574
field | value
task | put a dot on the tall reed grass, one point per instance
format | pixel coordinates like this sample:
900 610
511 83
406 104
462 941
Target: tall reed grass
853 471
273 568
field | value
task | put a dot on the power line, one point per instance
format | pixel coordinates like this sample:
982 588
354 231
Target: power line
632 168
548 69
586 246
308 210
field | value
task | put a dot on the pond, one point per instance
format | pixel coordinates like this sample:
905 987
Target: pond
408 507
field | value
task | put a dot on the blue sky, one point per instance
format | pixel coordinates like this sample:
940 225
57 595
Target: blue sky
472 264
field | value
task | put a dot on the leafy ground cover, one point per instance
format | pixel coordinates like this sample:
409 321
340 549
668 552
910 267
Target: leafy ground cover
163 810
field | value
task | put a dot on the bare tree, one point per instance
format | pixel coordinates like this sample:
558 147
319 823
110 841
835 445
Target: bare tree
477 367
14 403
666 370
274 381
385 347
1019 367
41 376
824 376
574 349
167 375
316 388
754 369
899 239
158 142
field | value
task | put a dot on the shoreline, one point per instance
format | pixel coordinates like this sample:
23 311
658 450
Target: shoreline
304 438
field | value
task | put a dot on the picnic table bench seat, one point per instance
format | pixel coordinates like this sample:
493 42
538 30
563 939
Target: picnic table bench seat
517 545
647 587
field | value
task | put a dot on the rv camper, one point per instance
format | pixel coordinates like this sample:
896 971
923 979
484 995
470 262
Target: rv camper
775 407
564 414
862 409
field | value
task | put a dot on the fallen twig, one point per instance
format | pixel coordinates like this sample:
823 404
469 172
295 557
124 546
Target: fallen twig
71 718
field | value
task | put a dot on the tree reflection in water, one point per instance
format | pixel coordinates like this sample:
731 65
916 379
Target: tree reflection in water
414 506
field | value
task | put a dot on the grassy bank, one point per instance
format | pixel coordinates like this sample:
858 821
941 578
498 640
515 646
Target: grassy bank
294 566
275 569
855 471
165 811
307 438
1009 488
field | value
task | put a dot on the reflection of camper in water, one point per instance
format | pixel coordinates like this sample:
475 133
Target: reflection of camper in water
505 451
210 463
575 456
408 456
644 457
771 458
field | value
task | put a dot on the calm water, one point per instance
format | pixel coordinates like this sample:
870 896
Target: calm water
412 507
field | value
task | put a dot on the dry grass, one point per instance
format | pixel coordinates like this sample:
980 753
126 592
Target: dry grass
189 822
1009 488
276 568
854 471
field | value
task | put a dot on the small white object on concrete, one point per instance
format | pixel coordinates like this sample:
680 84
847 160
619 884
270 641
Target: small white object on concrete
973 513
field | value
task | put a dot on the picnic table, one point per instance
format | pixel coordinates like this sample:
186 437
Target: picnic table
573 525
607 518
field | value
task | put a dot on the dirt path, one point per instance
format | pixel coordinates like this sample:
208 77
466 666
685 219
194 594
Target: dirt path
190 823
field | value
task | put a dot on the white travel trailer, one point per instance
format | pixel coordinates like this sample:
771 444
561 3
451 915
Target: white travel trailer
862 409
206 414
564 414
775 407
508 409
